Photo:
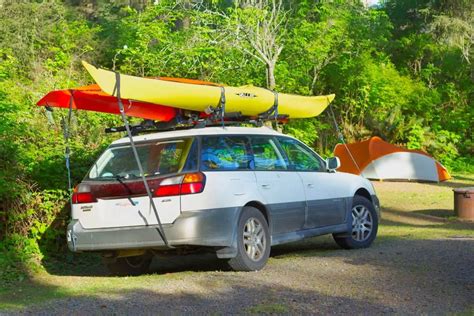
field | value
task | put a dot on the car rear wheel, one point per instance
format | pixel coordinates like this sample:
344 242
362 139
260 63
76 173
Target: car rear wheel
364 225
128 266
253 241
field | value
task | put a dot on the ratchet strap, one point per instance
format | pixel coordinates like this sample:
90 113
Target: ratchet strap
159 229
66 124
272 112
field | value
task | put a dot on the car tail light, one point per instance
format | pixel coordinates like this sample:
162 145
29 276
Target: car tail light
83 197
190 183
83 194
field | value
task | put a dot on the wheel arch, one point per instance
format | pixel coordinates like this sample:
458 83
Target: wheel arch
364 193
231 251
264 210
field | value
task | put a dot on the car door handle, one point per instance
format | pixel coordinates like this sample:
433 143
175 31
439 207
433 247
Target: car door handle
266 186
310 185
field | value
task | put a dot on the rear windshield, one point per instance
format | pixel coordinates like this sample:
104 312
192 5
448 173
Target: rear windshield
157 159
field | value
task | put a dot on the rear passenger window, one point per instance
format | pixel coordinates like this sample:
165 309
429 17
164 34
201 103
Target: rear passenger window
301 158
192 161
266 154
225 153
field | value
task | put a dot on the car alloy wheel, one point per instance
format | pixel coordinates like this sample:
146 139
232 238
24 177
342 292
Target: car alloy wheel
362 223
254 239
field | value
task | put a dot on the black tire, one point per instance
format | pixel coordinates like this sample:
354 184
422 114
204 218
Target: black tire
361 240
128 266
248 241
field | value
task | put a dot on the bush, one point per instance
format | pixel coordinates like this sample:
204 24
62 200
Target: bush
33 226
463 165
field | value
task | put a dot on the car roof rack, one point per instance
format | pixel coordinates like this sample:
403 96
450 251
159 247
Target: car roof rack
230 119
213 116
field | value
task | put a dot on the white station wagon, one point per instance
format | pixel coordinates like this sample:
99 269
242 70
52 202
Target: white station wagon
236 191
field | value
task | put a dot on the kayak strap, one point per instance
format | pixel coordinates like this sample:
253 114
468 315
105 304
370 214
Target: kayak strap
66 124
222 106
272 112
341 137
116 91
49 114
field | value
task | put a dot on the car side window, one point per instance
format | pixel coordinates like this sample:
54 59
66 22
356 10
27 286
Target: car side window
225 153
266 154
300 157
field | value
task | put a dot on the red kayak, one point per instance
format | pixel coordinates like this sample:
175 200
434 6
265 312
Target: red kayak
92 98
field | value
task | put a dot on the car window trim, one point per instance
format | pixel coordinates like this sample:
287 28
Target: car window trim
278 151
144 142
318 157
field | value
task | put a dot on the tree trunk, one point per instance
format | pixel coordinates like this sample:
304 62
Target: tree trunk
271 76
185 22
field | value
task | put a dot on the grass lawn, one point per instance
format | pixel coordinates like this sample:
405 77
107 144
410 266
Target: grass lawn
410 212
422 210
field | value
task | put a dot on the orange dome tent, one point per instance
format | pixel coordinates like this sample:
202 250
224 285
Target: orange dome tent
377 159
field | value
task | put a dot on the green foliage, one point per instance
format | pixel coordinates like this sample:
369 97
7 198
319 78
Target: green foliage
416 137
34 225
463 165
305 130
42 44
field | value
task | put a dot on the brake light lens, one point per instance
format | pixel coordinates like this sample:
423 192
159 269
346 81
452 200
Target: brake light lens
83 197
168 190
190 183
191 188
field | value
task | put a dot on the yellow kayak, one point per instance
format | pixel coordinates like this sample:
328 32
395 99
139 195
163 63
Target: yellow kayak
248 100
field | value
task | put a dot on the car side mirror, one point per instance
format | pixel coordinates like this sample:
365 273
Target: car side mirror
333 163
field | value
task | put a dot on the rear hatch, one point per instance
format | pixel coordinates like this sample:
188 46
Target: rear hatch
113 193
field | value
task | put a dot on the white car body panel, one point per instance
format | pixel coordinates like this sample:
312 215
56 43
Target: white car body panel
223 189
296 201
120 212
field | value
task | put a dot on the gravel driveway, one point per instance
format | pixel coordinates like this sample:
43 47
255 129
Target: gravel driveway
420 264
394 276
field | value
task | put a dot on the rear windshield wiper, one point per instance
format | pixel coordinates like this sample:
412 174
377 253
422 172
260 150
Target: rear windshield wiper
128 176
119 179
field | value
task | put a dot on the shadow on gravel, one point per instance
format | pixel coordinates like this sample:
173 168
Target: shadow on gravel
198 262
424 219
441 270
90 265
432 276
451 184
317 246
455 182
442 213
72 264
235 297
14 297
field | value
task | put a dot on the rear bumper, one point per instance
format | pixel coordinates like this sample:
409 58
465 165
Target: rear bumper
212 228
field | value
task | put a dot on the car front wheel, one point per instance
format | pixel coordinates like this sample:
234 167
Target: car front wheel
253 241
364 225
